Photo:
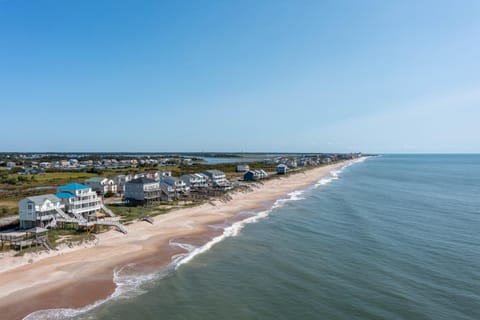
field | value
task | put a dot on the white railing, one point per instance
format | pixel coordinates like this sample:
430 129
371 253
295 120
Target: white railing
61 213
52 224
78 216
108 222
107 211
86 209
78 202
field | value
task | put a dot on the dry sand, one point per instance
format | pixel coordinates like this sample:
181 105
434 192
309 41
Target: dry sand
76 277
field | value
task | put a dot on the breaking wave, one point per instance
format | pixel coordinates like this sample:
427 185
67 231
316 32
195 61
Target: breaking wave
130 285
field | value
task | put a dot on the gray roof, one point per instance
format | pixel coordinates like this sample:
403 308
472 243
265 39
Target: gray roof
164 187
142 180
169 180
39 200
213 172
95 179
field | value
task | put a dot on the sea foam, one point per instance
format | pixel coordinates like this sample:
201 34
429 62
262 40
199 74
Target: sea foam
130 285
230 231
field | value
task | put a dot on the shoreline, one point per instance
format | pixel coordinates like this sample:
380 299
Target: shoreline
85 276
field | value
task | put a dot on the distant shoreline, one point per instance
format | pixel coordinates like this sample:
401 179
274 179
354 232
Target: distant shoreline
82 276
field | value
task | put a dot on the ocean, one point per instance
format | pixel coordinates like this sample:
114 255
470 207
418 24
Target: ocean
391 237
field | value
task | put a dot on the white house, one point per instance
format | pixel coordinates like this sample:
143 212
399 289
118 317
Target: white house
217 179
142 191
179 186
11 164
102 185
120 180
45 165
79 200
38 211
160 174
195 180
292 163
242 168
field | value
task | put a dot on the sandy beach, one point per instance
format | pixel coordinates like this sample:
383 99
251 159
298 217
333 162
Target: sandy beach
80 276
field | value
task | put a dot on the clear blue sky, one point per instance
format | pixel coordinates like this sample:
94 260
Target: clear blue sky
303 76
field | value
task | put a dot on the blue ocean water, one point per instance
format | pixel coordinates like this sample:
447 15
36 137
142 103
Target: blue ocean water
394 237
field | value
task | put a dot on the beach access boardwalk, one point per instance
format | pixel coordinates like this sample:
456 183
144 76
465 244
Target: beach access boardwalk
19 240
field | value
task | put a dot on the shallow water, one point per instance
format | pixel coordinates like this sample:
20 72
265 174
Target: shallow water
393 237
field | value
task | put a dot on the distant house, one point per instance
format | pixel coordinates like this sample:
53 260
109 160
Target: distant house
142 191
217 179
327 160
38 211
292 163
254 175
102 185
45 165
160 174
29 171
282 168
195 181
11 164
242 168
120 180
79 200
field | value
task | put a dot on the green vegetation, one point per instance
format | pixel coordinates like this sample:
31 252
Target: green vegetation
28 250
69 236
8 210
129 214
16 186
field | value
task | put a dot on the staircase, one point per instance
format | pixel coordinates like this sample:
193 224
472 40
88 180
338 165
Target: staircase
107 211
120 227
52 223
62 214
68 219
79 217
46 244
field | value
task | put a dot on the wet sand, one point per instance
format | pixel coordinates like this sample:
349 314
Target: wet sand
84 276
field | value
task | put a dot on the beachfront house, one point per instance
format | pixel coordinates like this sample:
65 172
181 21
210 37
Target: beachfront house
79 200
167 192
292 163
242 168
142 191
179 186
217 179
254 175
195 181
282 169
102 185
38 211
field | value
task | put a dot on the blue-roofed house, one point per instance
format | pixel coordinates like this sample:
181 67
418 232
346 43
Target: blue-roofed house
79 200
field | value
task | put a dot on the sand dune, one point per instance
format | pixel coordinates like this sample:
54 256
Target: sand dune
76 277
